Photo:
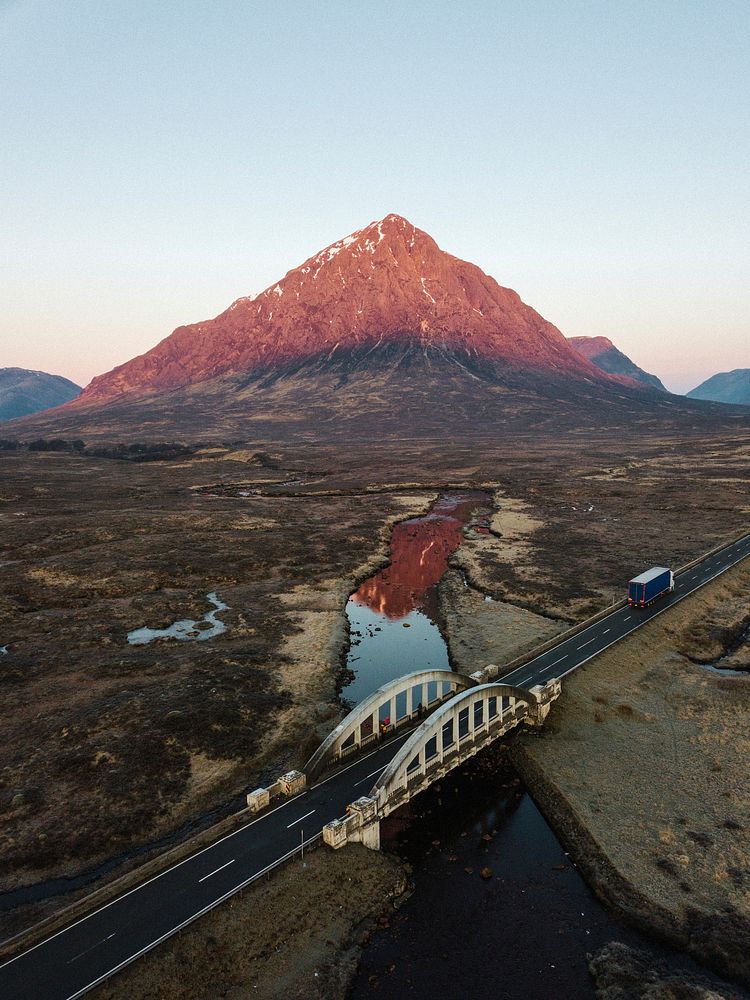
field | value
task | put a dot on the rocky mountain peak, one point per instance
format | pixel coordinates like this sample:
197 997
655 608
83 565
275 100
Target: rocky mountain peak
388 283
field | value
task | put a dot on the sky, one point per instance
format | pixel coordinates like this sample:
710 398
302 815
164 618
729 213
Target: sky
160 159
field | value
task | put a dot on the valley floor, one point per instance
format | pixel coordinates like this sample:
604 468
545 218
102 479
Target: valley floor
105 747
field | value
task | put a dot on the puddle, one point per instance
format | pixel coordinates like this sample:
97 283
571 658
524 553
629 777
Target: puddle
730 664
187 628
725 671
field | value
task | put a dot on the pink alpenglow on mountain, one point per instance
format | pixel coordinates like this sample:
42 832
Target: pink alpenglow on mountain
386 284
603 353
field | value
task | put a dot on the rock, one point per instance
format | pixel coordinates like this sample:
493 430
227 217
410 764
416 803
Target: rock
486 873
732 824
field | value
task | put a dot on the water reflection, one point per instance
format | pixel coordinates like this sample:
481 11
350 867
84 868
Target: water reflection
393 615
420 548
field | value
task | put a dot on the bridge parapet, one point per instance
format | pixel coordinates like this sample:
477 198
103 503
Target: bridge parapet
288 784
360 825
457 730
395 704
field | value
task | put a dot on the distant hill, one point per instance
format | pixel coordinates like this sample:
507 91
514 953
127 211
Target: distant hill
603 353
23 392
725 387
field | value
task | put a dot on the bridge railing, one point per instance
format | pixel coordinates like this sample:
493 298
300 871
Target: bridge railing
394 705
458 729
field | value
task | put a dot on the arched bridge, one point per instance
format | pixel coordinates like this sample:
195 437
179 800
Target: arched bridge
392 706
454 732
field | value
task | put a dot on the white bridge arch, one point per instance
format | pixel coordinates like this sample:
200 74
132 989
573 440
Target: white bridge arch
393 705
455 732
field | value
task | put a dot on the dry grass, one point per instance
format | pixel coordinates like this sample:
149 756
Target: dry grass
144 738
479 632
296 936
649 753
118 729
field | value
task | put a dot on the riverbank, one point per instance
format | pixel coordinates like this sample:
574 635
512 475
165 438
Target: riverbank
479 631
641 769
297 935
624 973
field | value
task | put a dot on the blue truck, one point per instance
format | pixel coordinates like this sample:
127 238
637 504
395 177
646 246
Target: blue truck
644 589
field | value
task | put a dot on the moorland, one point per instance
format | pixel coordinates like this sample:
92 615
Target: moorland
108 747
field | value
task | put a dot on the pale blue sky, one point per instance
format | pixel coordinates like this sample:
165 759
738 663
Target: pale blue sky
160 159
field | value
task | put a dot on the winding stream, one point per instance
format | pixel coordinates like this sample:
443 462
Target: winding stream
729 664
186 628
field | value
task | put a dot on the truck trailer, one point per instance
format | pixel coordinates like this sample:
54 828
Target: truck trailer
644 589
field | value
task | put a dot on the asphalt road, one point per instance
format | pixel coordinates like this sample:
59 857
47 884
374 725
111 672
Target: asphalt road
75 959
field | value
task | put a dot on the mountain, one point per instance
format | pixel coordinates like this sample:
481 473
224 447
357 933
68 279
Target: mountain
603 353
23 391
725 387
381 334
387 284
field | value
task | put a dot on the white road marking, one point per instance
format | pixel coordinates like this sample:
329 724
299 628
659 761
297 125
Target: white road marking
187 921
80 953
606 630
379 771
660 611
558 661
220 869
295 821
354 763
192 857
588 641
190 919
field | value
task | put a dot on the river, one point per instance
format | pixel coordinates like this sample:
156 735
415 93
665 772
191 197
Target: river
498 911
394 622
